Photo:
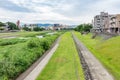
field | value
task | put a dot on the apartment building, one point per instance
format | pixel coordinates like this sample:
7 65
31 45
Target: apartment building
101 22
114 25
60 26
106 23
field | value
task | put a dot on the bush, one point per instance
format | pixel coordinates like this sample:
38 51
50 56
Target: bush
83 28
1 28
45 44
5 42
34 42
26 29
38 29
17 58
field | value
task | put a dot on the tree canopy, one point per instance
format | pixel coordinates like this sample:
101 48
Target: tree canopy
12 26
83 27
38 29
2 24
26 28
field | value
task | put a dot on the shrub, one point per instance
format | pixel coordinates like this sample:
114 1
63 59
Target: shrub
5 42
38 29
34 42
26 29
45 44
17 58
83 27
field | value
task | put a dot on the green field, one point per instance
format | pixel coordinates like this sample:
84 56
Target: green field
108 52
16 55
21 34
65 62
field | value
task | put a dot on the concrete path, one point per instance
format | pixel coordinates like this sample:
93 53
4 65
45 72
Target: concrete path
37 67
98 72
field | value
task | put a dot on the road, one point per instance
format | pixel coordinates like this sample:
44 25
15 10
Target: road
96 69
38 66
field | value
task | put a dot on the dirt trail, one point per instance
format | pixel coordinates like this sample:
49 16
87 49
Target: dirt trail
93 69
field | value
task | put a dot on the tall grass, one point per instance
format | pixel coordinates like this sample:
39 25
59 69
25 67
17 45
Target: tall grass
15 59
4 42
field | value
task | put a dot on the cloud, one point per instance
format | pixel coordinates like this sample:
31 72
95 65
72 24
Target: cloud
55 11
8 5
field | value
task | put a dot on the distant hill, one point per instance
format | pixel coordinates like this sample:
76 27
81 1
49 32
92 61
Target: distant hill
48 24
44 25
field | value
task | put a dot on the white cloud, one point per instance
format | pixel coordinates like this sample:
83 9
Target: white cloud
57 11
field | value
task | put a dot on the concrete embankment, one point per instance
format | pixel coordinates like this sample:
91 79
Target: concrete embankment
93 69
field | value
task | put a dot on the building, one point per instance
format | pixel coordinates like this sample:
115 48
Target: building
115 24
56 26
60 27
106 23
101 22
18 24
30 26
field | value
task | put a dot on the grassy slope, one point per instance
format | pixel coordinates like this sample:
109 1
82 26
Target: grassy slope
108 52
64 64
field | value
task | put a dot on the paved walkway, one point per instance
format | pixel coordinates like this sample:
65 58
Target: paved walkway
98 72
37 67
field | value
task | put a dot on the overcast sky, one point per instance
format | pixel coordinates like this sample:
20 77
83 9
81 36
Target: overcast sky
55 11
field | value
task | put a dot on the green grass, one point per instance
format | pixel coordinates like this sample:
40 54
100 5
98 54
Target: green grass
22 34
5 42
20 37
17 55
108 52
65 63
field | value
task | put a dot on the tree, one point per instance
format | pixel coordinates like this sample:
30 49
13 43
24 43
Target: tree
26 28
38 29
83 28
12 26
87 27
2 24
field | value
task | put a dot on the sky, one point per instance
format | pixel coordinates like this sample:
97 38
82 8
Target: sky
55 11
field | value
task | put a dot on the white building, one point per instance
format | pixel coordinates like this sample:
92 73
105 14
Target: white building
101 22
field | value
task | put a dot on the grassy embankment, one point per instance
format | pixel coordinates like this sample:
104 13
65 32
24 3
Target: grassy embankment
16 55
108 52
65 63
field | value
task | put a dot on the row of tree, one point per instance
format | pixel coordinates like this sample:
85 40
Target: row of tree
34 29
83 28
13 26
